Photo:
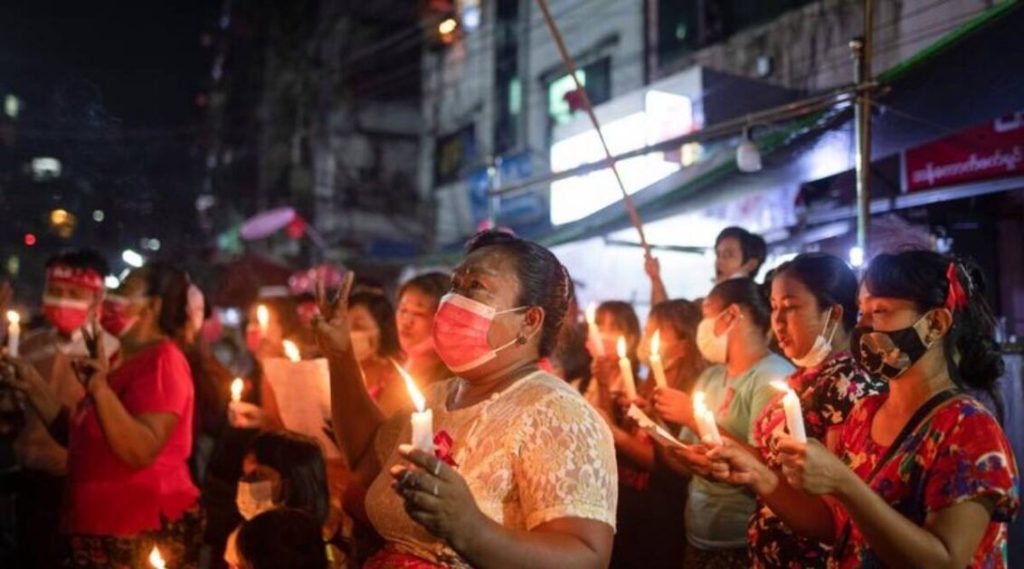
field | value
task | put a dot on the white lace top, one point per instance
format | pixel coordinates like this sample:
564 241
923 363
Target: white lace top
530 454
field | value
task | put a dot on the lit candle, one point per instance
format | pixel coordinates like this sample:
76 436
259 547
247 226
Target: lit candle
656 366
263 319
13 332
157 560
422 419
794 415
707 428
236 389
626 370
291 351
593 332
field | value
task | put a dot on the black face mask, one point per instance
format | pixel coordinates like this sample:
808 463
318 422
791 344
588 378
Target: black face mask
888 354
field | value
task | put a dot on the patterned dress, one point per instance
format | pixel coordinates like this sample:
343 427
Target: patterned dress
827 392
960 453
530 454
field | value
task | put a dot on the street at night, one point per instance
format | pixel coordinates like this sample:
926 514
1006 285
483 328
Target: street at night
511 283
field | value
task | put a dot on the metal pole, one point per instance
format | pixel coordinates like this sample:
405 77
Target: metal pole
861 48
493 196
570 66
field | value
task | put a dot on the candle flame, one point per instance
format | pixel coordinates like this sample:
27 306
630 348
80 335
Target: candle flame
263 316
781 386
656 343
157 560
13 317
291 351
417 398
592 313
621 346
236 389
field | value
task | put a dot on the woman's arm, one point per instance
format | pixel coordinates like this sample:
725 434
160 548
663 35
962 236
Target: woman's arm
659 293
948 538
438 498
136 440
566 542
637 447
355 415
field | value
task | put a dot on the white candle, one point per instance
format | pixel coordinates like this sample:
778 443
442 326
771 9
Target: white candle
794 415
157 560
707 428
656 366
626 370
236 389
593 332
291 351
13 332
422 419
263 319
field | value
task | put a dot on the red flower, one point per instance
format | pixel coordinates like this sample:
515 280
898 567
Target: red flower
443 444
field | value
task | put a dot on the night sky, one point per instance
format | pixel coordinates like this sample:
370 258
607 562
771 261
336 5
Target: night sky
144 58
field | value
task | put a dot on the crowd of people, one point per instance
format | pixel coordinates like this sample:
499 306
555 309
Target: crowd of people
809 418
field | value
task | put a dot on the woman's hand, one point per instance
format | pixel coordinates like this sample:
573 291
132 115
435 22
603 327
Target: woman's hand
733 464
331 327
811 467
436 496
23 377
688 459
674 406
93 370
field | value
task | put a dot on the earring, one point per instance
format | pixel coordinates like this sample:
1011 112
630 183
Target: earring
521 340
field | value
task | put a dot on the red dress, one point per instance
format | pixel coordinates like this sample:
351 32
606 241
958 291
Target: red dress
958 454
107 497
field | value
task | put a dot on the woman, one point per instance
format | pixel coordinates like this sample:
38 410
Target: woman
418 299
923 476
733 335
129 441
283 470
615 319
375 343
652 499
524 473
814 308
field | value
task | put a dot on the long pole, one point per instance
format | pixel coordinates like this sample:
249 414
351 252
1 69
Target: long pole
570 66
862 48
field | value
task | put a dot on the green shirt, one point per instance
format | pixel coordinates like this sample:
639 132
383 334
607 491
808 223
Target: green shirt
717 513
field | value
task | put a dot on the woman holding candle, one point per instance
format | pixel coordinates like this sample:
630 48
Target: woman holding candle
734 335
814 307
128 444
924 475
524 470
614 372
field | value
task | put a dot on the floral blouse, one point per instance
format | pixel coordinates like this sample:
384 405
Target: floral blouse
960 453
827 394
533 453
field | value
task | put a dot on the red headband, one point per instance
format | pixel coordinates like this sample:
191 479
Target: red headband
957 297
85 278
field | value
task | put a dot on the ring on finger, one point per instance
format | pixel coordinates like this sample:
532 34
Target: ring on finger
437 468
435 489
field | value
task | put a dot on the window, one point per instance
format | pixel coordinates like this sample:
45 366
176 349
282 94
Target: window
596 80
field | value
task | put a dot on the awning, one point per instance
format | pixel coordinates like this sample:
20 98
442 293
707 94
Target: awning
953 84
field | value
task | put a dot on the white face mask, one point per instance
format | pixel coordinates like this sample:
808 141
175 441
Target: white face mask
362 344
712 346
254 498
820 350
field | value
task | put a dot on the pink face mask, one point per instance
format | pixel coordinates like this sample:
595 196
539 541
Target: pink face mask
460 332
65 314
